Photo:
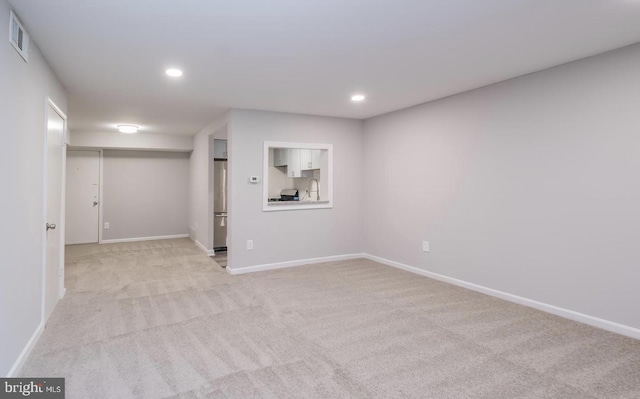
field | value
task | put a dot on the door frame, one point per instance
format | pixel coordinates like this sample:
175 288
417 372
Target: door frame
100 173
100 193
62 290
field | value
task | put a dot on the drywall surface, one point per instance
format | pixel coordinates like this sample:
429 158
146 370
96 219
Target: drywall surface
138 141
201 181
145 194
24 88
298 234
529 186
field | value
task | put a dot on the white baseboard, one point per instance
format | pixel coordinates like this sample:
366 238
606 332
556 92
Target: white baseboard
144 239
83 242
292 263
17 366
558 311
209 252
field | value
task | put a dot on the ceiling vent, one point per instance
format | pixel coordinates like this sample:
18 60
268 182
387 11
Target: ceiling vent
18 37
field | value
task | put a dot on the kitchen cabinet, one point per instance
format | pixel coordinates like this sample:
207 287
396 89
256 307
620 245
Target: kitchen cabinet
293 165
280 156
220 149
299 162
309 159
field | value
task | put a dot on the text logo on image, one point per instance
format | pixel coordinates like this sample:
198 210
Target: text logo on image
43 388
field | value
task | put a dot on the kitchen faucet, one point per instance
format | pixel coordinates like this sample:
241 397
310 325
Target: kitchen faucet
317 188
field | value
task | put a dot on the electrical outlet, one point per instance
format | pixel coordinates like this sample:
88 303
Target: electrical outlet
249 244
106 225
425 246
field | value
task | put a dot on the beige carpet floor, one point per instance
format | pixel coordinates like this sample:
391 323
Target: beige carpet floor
160 319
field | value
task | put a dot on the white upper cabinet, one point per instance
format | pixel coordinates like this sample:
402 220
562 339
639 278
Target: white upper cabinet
309 159
280 156
220 149
293 167
300 162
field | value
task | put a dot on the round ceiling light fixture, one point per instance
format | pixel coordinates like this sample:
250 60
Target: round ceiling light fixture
128 129
173 72
357 98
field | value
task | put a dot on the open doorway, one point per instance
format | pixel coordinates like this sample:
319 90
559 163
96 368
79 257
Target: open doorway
220 219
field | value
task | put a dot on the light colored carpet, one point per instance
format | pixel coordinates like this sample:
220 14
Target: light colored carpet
160 319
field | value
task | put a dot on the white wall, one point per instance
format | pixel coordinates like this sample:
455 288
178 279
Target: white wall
24 88
145 194
299 234
139 141
530 186
201 181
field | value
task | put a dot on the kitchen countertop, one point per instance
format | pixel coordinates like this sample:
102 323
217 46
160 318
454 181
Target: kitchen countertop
277 203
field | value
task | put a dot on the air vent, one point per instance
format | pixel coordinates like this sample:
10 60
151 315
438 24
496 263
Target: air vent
18 37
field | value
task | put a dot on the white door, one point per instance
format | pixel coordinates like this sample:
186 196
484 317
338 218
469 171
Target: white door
54 258
83 191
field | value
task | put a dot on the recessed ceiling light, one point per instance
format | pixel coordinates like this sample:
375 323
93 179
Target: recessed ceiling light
357 97
174 73
128 128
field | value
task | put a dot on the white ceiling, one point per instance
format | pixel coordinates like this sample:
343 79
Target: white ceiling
303 56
